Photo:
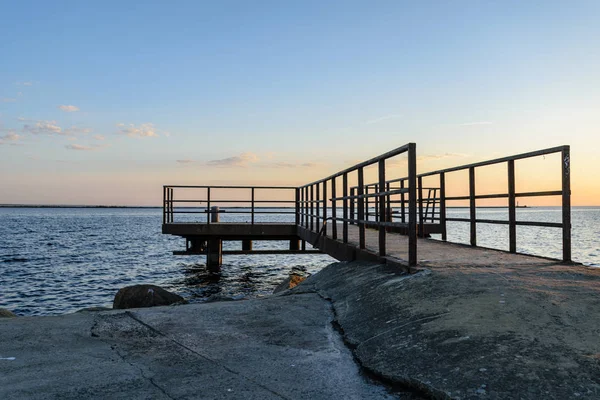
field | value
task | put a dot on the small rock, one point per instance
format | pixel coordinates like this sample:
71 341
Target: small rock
4 313
291 282
139 296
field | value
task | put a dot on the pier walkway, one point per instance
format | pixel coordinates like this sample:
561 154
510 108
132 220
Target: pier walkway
350 219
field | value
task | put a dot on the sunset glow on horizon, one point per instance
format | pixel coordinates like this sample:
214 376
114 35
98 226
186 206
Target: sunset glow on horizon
103 104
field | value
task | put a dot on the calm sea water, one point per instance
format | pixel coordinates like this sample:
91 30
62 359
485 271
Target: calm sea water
58 260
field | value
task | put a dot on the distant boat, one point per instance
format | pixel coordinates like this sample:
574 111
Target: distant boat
518 206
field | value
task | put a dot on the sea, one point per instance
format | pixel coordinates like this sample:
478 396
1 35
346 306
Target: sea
60 260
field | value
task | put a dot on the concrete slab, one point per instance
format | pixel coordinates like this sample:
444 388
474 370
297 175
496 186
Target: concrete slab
279 348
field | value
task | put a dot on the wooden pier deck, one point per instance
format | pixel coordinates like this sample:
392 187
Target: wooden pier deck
342 215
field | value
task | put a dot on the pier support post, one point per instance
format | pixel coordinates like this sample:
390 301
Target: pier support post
214 250
294 244
247 245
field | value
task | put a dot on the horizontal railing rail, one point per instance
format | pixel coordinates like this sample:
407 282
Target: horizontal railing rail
242 195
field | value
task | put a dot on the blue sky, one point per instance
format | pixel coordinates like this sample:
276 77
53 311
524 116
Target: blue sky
103 102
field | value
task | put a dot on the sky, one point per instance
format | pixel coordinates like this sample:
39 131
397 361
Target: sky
105 102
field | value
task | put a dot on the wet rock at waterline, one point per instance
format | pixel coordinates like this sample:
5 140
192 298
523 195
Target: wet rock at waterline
4 313
139 296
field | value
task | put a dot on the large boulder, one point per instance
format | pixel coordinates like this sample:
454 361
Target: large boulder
139 296
4 313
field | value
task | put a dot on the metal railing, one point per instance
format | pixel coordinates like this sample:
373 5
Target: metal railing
192 200
511 194
315 204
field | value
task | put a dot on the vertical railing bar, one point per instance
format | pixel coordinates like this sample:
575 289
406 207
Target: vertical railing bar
345 206
325 208
164 205
412 205
366 203
421 222
402 200
512 208
208 205
252 217
297 193
443 206
361 209
171 206
352 203
318 205
389 213
381 205
566 202
472 205
312 209
306 207
333 209
377 203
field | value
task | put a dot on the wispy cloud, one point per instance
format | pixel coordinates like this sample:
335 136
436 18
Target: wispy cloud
41 127
476 123
186 161
383 118
243 160
7 99
66 108
81 147
11 136
26 83
143 130
99 137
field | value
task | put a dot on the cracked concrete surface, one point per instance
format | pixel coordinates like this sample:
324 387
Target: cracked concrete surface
276 348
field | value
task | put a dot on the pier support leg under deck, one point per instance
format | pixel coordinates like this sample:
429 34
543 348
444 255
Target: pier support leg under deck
214 250
214 255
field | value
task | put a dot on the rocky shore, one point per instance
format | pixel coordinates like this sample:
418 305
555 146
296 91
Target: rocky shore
464 332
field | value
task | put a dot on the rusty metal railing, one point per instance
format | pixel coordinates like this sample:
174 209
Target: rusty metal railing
314 203
511 194
192 200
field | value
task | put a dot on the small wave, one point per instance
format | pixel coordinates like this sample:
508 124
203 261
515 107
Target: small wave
15 259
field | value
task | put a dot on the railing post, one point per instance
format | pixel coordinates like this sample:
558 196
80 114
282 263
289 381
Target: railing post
306 206
421 217
252 206
366 203
472 206
345 206
297 191
443 206
171 206
412 205
352 212
361 209
512 208
389 213
208 206
164 205
325 208
381 207
402 200
566 202
333 209
312 207
318 205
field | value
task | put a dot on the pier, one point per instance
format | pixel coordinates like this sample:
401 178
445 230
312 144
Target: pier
350 219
